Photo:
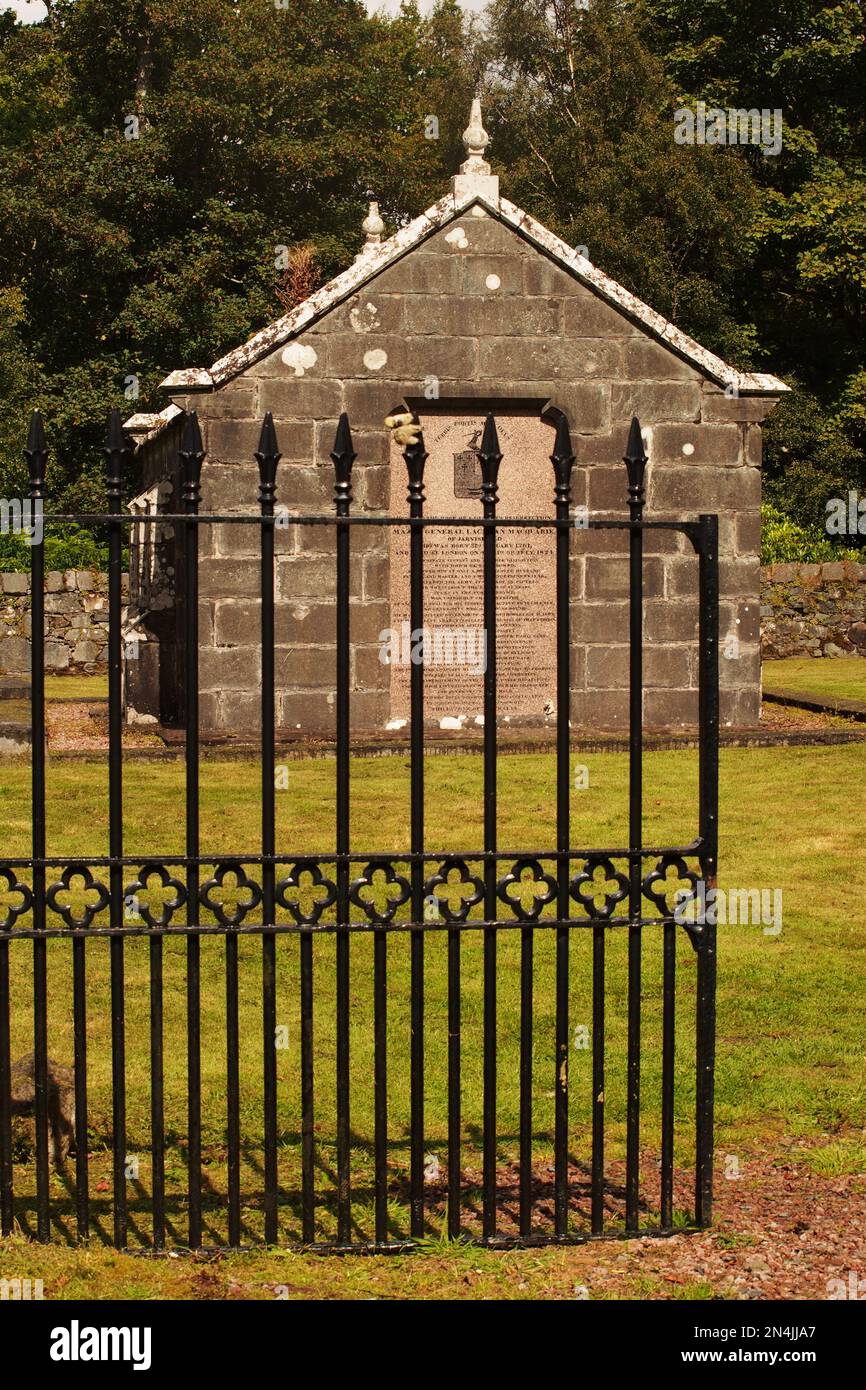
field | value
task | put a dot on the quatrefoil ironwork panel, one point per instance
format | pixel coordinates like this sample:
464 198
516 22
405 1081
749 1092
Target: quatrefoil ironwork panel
89 885
379 891
519 889
230 869
456 882
663 891
587 886
305 892
170 904
12 887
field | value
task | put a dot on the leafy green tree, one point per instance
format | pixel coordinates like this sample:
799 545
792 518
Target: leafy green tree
582 116
157 154
806 283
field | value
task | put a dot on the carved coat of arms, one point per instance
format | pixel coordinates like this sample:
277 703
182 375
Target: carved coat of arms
467 469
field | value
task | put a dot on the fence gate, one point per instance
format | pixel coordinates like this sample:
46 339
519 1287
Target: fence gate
357 1048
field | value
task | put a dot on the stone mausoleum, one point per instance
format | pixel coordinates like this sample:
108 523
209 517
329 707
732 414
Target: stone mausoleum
473 306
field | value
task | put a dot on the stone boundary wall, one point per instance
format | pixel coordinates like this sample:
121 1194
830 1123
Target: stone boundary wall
813 610
76 622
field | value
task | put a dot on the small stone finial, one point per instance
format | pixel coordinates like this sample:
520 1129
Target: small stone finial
475 142
372 227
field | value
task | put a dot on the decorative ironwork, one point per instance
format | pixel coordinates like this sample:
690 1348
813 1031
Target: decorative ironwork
305 892
14 885
454 878
586 887
659 888
141 884
519 889
477 893
227 869
377 884
89 884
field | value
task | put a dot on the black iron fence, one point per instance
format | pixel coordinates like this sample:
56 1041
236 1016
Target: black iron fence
498 911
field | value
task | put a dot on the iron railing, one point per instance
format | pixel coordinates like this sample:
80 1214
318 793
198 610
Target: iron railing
347 892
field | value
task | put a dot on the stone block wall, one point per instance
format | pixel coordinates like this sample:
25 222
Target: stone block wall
76 623
476 313
813 610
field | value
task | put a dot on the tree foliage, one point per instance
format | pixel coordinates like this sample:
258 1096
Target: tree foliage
155 155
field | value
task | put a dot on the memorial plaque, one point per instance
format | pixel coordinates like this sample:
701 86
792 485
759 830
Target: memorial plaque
453 643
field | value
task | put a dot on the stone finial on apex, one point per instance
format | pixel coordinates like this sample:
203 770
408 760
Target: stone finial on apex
373 227
475 142
475 175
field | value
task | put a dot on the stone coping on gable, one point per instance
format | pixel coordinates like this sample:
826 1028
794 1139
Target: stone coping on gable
829 571
378 258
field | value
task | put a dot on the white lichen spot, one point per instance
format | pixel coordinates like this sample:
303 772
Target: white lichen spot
451 721
394 724
479 211
375 359
458 239
493 282
479 720
299 357
364 318
688 450
301 611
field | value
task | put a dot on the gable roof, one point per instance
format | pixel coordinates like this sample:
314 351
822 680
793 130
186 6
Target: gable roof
473 186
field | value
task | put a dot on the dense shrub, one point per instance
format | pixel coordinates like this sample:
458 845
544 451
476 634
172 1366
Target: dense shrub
784 540
66 548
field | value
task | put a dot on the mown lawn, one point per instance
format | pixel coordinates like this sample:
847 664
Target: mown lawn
843 678
792 1006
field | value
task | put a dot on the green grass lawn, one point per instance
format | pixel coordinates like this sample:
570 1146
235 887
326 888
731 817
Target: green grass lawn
76 687
792 1007
843 678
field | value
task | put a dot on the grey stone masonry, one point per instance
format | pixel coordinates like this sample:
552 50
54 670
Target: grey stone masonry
813 610
478 313
76 623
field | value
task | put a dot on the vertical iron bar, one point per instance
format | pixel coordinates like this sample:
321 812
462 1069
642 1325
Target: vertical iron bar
669 966
308 1151
157 1092
233 1096
635 461
343 456
416 456
709 831
562 459
191 457
6 1203
36 455
490 457
117 452
454 1084
380 1082
598 1024
267 457
525 1121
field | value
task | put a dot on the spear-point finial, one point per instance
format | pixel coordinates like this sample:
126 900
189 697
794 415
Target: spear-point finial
117 453
343 456
36 454
373 228
635 461
475 142
562 459
267 457
191 458
490 456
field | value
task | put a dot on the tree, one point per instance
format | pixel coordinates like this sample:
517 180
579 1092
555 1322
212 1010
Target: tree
156 156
